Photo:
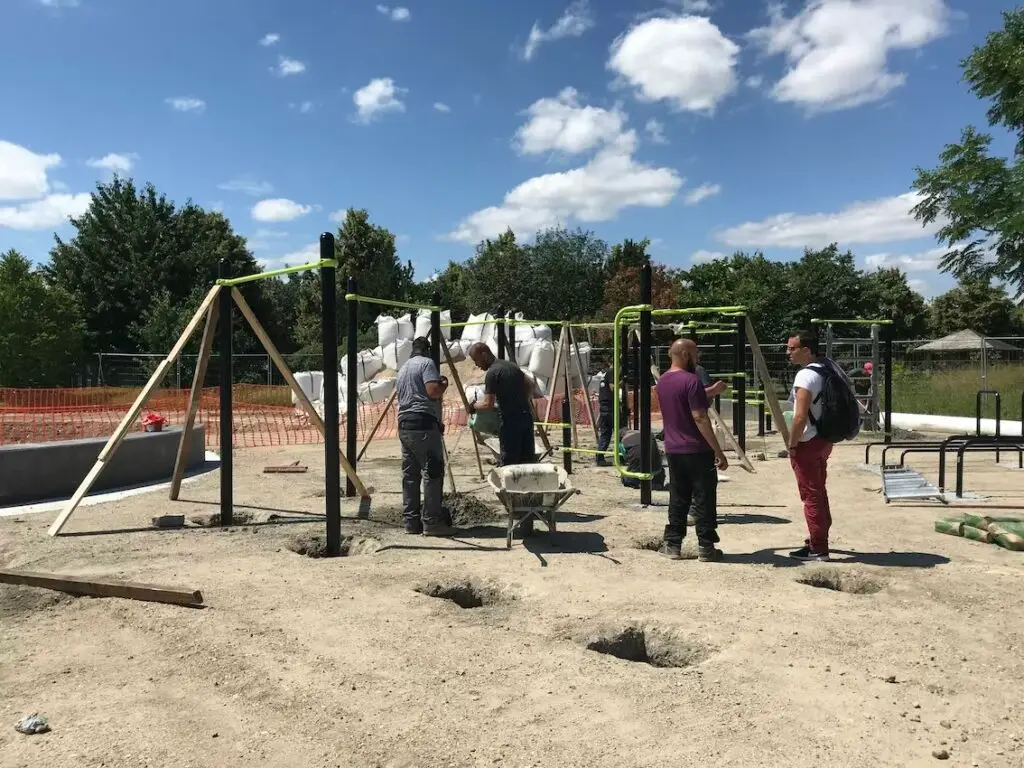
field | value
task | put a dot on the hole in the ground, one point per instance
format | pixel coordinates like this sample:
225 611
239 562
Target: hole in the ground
316 546
465 594
650 645
851 582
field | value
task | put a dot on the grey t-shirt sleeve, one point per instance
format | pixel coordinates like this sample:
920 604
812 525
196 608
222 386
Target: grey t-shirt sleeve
430 372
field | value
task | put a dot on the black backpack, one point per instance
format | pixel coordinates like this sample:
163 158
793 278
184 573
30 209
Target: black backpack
840 411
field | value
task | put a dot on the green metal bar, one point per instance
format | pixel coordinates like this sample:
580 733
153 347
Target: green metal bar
617 410
535 322
553 424
390 303
570 449
230 281
700 311
852 322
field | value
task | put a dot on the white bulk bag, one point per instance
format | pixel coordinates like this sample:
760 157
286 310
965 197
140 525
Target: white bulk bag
423 323
594 383
472 331
405 327
524 350
523 332
379 352
455 350
311 383
542 359
377 391
396 355
387 330
475 393
489 330
542 332
541 382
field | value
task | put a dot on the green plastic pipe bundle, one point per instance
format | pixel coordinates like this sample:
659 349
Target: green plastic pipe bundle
1006 532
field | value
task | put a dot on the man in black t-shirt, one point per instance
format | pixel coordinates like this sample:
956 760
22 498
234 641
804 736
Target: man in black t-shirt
507 388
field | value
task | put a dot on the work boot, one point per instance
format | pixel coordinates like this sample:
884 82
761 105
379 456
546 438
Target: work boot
671 552
710 554
439 529
414 526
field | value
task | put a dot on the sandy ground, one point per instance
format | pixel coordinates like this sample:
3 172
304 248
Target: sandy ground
302 662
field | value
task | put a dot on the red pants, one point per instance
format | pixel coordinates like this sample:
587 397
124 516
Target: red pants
810 464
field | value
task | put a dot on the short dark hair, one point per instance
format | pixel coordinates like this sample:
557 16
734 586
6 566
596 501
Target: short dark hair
807 339
421 346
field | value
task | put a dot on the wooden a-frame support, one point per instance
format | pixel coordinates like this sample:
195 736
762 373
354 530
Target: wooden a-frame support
563 356
208 309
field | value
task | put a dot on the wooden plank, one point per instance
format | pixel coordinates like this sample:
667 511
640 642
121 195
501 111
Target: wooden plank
380 420
77 585
205 348
767 384
465 402
286 470
554 378
300 394
583 380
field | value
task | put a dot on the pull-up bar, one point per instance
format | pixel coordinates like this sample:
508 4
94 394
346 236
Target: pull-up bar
851 322
233 281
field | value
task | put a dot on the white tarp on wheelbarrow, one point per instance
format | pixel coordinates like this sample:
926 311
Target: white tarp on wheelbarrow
530 490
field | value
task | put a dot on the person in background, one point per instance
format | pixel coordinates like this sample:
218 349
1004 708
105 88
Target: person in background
808 453
694 455
606 416
420 388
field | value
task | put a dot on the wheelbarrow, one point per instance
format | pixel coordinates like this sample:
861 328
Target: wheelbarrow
530 490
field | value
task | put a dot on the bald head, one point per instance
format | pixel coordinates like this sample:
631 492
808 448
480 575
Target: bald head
481 354
683 354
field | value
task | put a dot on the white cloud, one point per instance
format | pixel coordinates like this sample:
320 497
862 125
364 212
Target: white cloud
686 61
576 20
279 209
51 211
926 261
60 3
560 124
305 255
23 173
247 186
270 39
286 67
611 181
186 104
882 220
440 106
696 6
656 131
706 257
838 50
703 192
114 162
338 216
754 81
395 14
377 97
303 107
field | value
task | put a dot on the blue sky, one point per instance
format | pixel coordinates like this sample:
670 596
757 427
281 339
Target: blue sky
705 126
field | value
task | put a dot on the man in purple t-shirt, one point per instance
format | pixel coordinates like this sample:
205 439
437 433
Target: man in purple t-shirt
694 456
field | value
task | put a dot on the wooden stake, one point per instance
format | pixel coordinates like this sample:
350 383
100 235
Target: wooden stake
300 394
567 375
583 380
380 420
205 347
552 382
465 402
767 385
77 585
122 428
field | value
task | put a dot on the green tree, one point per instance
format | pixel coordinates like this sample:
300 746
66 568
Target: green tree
567 275
824 284
628 253
500 275
976 305
136 256
453 285
887 295
40 327
981 196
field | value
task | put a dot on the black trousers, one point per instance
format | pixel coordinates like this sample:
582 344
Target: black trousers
605 428
517 442
693 483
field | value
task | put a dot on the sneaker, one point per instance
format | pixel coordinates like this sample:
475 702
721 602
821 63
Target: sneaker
438 530
806 555
672 553
414 528
710 555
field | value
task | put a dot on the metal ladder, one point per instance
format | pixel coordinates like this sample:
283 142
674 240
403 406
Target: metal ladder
906 483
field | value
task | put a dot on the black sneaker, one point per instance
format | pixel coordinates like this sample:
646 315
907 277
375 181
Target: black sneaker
414 528
806 555
710 555
438 530
672 553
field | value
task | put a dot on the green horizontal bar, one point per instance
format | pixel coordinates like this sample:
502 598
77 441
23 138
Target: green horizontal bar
229 281
390 303
592 325
700 311
569 449
851 322
553 423
535 322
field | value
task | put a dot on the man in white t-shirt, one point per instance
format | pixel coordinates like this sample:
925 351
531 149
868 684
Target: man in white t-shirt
808 453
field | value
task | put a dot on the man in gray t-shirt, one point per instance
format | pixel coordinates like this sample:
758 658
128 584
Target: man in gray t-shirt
419 389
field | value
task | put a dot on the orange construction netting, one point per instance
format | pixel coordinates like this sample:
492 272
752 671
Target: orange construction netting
262 415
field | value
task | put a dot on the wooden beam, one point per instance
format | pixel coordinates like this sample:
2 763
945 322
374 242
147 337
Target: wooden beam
552 382
767 385
195 395
583 380
465 402
380 420
77 585
300 394
133 412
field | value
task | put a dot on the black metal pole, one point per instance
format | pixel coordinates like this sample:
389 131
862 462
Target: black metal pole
566 434
332 427
352 394
887 382
501 332
226 421
739 413
718 367
436 338
644 382
513 352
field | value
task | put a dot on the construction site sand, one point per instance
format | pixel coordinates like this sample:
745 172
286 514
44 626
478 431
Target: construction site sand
370 660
